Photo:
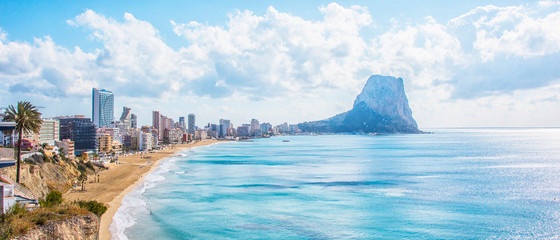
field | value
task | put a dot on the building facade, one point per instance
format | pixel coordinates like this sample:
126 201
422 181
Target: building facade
126 118
103 107
224 126
105 142
81 131
255 127
182 124
266 128
243 131
133 121
49 132
155 120
192 126
201 134
145 142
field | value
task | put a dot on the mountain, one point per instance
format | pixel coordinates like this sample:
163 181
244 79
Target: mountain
381 107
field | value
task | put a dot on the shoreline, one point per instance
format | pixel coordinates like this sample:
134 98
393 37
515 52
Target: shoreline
112 207
128 174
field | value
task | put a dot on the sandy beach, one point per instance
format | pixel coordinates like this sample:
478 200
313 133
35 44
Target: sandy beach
121 179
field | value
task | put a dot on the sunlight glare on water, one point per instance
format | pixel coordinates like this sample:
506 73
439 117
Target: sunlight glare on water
454 183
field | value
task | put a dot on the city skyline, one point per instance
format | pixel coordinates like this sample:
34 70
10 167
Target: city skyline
482 63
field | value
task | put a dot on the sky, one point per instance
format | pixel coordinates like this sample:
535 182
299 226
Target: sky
464 63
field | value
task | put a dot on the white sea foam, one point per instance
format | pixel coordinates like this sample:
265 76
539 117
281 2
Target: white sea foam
154 178
132 204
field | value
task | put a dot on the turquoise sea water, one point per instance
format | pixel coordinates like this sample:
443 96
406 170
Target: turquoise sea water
453 184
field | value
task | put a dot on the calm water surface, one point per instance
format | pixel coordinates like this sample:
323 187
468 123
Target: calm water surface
455 183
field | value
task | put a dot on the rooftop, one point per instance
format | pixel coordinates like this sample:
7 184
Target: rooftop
7 126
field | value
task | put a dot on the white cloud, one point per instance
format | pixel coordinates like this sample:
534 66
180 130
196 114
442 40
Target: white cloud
517 31
278 52
284 61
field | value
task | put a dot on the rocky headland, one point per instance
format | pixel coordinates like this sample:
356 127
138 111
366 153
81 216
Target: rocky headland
382 107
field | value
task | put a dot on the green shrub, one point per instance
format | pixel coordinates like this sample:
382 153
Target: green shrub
93 206
53 198
81 167
90 166
9 224
44 156
18 220
29 161
41 220
16 209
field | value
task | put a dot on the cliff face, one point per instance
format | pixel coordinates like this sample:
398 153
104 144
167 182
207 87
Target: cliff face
41 178
79 227
385 96
381 107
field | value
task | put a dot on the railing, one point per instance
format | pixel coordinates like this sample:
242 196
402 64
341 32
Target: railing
25 192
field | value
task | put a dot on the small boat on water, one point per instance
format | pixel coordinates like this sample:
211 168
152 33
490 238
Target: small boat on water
285 140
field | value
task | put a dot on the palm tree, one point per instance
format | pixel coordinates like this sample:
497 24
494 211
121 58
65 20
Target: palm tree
27 119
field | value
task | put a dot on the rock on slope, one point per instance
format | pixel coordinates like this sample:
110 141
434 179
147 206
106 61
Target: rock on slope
381 107
42 178
78 227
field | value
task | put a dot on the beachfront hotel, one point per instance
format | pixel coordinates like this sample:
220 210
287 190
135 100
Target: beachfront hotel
103 107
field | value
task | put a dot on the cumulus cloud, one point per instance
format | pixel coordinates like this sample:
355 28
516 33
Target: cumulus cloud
279 52
488 51
507 48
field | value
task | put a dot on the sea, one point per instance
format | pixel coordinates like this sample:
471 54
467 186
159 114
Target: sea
482 183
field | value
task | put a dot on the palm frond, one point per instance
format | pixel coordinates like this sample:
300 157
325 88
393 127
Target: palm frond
26 116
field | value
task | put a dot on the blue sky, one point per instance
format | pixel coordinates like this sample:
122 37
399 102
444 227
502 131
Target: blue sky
468 63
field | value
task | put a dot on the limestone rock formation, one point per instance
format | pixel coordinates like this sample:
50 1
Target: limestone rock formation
381 107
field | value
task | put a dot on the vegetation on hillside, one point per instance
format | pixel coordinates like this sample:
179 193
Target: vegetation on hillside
17 220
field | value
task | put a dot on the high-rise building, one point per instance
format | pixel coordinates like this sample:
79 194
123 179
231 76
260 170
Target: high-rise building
80 130
224 126
126 117
192 127
133 121
182 124
169 123
255 127
156 122
266 128
103 107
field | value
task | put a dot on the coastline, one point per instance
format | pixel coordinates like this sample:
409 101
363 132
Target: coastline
121 179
